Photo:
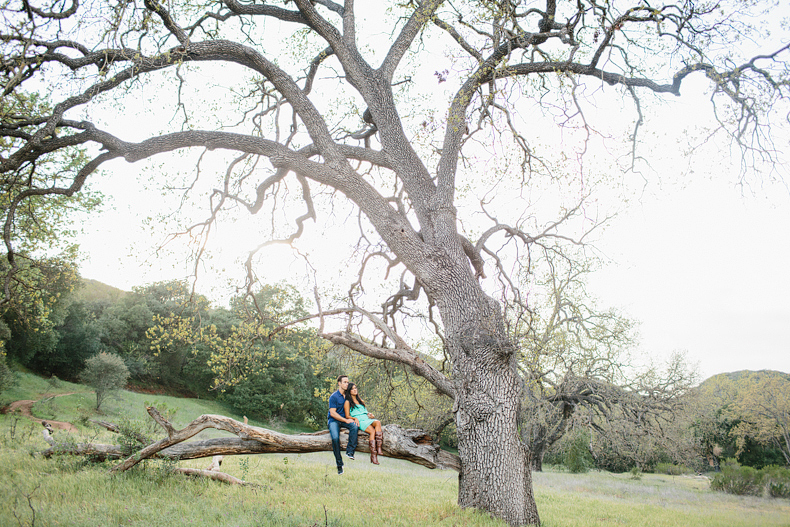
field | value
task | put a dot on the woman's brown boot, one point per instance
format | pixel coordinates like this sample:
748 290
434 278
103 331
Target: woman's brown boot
379 442
373 457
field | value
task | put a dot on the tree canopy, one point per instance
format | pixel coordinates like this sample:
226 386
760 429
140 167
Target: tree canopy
746 415
316 106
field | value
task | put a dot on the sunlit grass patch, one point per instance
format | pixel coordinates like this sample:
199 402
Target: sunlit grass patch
393 493
600 499
78 407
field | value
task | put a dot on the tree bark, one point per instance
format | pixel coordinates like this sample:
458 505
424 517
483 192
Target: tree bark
538 442
536 461
495 472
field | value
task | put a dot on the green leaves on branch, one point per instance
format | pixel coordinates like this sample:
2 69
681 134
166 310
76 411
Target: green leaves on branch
40 224
260 364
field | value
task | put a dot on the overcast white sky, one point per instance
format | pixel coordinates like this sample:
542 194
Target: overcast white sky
703 268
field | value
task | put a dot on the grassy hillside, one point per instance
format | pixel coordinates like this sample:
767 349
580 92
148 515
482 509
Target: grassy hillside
736 376
305 491
95 291
76 403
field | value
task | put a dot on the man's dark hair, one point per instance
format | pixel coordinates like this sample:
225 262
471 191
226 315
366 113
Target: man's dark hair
339 377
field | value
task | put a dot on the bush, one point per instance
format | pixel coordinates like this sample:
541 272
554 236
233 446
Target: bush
777 481
284 389
577 458
131 436
672 469
610 460
104 373
735 479
7 377
772 481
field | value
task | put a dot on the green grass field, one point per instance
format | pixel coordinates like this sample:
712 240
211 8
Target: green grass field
305 491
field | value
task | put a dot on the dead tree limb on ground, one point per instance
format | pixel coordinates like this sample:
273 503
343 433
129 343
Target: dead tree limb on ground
412 445
211 474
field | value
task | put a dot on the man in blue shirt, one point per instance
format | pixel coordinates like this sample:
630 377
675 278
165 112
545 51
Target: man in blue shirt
336 418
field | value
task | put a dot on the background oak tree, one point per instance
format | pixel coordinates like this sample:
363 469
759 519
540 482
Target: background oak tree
764 407
745 415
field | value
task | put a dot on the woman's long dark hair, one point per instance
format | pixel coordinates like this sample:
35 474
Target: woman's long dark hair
350 399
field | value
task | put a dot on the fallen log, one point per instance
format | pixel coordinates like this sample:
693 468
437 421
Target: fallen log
411 445
399 443
95 451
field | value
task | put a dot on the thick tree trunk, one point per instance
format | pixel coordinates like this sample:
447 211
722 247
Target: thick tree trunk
544 431
537 447
536 461
495 473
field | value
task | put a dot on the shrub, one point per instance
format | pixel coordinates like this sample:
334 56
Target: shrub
777 481
131 436
608 459
284 389
104 373
773 481
735 479
577 458
672 469
7 377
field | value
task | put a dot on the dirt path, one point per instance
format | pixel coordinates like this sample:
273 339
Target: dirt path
25 407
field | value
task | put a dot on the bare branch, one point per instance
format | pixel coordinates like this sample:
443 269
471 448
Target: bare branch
421 16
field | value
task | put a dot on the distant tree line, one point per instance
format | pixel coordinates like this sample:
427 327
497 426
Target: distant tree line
173 341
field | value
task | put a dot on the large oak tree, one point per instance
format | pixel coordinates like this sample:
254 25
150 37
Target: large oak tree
283 118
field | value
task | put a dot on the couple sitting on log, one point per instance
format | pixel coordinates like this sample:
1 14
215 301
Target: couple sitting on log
347 410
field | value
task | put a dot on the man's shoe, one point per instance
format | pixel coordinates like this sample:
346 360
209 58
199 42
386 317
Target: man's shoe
350 456
339 471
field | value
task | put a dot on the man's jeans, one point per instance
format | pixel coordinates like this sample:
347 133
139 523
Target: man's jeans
334 433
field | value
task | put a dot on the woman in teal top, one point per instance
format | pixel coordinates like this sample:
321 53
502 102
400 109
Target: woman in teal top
355 409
